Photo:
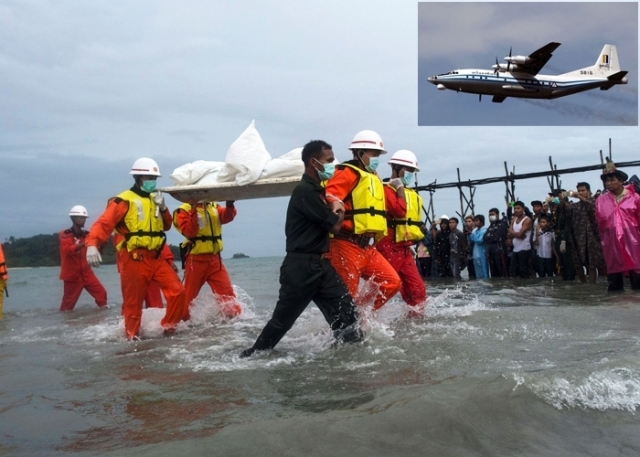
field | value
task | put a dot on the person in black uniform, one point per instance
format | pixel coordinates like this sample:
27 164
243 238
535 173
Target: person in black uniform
306 274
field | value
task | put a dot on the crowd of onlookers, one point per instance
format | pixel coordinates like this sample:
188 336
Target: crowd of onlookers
569 234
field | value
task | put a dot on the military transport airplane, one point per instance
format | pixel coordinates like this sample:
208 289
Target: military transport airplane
519 77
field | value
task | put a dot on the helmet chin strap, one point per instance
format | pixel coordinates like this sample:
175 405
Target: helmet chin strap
360 158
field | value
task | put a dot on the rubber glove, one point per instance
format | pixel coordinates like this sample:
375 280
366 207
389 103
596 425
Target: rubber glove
93 256
396 183
563 246
158 198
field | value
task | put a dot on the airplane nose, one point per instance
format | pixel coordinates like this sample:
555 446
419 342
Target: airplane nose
432 79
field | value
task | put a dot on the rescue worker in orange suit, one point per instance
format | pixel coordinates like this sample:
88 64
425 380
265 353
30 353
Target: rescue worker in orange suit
4 277
141 216
403 226
357 187
74 269
153 297
201 224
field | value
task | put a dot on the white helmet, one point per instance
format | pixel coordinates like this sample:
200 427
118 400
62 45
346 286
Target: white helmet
367 139
78 210
145 167
405 158
444 216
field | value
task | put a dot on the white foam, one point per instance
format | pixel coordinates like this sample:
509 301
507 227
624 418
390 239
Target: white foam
612 389
454 303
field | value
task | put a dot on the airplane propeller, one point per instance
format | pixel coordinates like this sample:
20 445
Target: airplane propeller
497 70
509 59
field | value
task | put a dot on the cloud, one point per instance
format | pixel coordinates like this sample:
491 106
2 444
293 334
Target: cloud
88 87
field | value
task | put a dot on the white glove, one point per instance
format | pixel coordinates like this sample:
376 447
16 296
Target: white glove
396 183
159 199
563 246
93 256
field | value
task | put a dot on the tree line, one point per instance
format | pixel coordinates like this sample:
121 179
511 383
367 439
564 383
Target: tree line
44 251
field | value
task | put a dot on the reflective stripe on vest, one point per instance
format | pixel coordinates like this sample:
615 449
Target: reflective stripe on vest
145 229
408 227
368 213
208 240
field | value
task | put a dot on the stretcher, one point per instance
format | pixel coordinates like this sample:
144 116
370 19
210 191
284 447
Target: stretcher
262 188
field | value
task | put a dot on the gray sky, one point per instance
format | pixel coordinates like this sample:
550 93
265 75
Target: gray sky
88 87
473 34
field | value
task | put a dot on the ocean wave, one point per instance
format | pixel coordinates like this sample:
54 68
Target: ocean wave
611 389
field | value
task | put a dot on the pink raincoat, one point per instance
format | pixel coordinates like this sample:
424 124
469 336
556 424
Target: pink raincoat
619 225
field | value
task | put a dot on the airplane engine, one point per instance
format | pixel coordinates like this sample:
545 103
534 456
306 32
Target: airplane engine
441 87
518 59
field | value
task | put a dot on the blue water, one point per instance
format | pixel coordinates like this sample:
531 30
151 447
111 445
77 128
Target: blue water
537 368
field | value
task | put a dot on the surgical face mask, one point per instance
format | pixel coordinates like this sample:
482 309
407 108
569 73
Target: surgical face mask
149 185
373 164
555 200
407 179
493 218
328 170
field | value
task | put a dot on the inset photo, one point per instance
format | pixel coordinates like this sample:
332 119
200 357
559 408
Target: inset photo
528 63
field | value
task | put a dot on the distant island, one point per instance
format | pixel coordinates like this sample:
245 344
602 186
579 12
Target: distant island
240 255
44 251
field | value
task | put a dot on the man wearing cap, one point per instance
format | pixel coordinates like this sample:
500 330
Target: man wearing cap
141 217
356 186
618 216
75 272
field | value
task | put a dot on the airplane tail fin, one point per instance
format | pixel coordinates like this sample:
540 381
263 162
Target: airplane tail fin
606 65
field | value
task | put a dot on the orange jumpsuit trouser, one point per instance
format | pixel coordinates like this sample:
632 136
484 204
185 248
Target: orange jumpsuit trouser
353 262
210 269
412 290
73 289
153 299
135 276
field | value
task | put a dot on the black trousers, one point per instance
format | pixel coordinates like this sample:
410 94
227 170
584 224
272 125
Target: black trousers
305 278
616 281
424 266
497 264
520 264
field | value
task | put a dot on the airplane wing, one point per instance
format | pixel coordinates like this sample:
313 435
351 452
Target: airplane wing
539 58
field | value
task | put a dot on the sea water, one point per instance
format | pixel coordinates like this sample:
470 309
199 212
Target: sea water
495 368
